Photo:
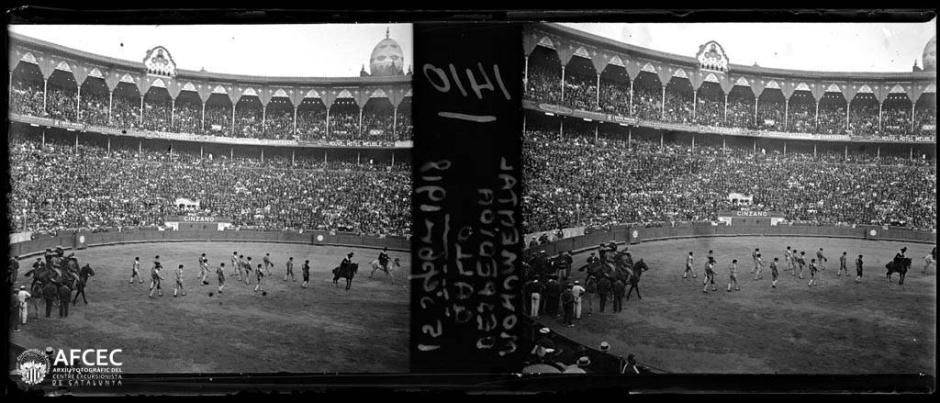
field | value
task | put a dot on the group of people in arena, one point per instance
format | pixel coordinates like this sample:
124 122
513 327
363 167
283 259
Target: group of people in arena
581 93
379 124
551 290
55 188
575 180
242 268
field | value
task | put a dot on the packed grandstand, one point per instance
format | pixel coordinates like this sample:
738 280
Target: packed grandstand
68 86
576 70
606 143
338 149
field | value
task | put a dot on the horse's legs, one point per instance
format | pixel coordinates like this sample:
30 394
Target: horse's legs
638 291
901 279
348 283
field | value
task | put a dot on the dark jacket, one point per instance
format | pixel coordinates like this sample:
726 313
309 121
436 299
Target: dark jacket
567 299
64 293
532 288
553 289
619 288
50 292
604 286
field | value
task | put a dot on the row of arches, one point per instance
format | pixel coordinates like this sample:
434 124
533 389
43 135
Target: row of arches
578 84
341 118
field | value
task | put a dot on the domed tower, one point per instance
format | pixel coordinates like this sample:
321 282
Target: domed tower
930 55
387 58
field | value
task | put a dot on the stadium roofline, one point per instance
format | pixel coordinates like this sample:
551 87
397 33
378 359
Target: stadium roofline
134 66
690 61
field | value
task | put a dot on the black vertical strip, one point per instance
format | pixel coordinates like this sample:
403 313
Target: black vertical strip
466 306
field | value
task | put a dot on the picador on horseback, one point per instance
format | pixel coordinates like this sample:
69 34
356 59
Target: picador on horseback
900 264
56 269
347 269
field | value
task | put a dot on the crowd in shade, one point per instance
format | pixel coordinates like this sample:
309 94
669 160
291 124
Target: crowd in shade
579 181
897 121
185 115
55 188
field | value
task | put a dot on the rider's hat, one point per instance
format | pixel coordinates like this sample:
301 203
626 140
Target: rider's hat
544 330
577 282
22 287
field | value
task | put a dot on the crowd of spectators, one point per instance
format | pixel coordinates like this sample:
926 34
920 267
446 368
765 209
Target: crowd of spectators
160 113
405 128
581 92
575 181
544 85
60 189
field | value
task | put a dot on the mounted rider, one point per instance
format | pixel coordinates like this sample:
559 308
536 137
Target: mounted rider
383 258
346 261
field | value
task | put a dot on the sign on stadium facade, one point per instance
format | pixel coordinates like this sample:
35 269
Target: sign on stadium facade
745 217
197 223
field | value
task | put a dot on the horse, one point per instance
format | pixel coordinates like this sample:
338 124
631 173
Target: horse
597 269
347 272
634 279
378 266
900 265
86 271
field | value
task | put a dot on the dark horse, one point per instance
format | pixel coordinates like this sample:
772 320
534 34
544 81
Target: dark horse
898 265
635 273
83 275
597 269
347 272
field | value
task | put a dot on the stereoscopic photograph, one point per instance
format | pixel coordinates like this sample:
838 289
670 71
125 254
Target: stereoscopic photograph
731 198
208 199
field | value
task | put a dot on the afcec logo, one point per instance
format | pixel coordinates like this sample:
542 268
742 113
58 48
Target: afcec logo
33 366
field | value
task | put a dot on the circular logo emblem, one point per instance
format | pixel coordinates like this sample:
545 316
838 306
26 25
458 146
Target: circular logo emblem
320 238
873 233
635 234
81 239
32 365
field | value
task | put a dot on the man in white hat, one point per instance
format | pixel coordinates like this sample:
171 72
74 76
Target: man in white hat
577 291
21 297
543 343
605 348
580 367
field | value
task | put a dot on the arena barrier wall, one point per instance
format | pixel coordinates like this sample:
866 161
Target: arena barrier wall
636 234
82 240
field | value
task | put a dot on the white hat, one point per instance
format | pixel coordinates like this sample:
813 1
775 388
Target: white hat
22 287
584 361
604 346
544 330
577 282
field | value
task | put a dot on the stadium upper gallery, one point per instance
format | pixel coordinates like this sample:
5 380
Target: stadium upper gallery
618 134
100 143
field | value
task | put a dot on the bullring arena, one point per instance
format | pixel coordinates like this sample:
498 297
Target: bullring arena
837 327
293 329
